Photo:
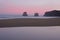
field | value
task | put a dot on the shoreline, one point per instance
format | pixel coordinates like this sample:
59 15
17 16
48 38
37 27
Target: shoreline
22 22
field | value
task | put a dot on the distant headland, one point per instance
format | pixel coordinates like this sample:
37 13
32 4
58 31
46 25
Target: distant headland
53 13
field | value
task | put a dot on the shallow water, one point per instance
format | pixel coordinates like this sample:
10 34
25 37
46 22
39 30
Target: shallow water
30 33
41 17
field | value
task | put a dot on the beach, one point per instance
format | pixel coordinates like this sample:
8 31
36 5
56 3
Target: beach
22 22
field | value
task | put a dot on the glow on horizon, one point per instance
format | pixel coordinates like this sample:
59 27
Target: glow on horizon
30 6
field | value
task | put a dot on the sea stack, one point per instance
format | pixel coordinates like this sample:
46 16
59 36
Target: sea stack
25 14
36 14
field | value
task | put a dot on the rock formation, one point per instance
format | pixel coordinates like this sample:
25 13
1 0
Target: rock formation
52 13
36 14
25 14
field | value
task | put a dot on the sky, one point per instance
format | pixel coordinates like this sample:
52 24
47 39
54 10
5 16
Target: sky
30 6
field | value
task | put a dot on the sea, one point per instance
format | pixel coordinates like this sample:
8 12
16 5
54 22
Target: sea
18 16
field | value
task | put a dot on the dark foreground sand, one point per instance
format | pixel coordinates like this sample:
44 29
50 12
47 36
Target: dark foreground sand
29 22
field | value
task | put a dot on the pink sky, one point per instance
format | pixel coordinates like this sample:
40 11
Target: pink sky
30 6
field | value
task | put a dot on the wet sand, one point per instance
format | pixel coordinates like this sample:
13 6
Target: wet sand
25 22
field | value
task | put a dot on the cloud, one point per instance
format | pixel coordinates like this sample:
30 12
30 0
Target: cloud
34 2
28 5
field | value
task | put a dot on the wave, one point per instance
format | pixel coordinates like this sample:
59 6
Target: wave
12 17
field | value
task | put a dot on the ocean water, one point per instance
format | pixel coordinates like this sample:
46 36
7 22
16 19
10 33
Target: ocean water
17 16
30 33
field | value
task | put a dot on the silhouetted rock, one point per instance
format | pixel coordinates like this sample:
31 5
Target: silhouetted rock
52 13
25 14
36 14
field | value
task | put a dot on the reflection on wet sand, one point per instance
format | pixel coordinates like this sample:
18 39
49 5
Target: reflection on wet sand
30 33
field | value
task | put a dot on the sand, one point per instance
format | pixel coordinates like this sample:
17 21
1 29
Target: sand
25 22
